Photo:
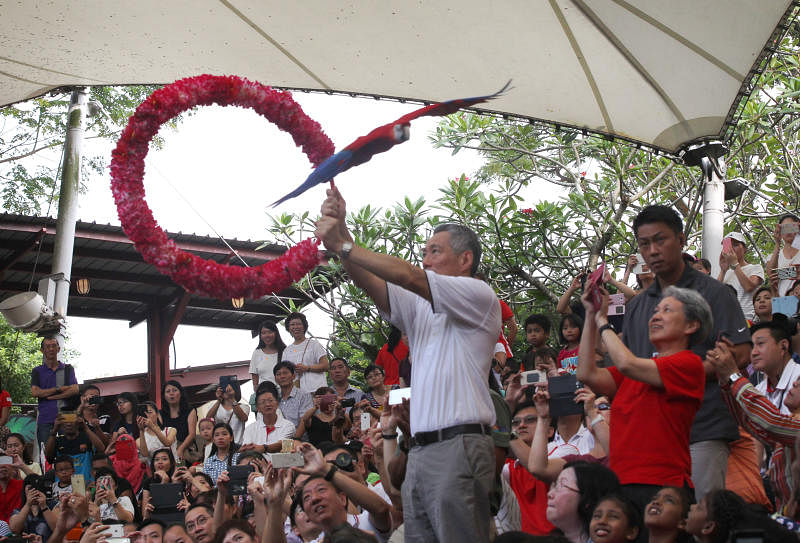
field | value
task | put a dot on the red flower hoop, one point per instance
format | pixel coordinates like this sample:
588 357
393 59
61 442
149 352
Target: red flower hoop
193 273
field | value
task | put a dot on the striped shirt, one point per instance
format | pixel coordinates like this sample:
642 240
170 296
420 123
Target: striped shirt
762 419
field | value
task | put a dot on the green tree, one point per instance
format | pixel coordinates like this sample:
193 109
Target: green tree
35 129
19 354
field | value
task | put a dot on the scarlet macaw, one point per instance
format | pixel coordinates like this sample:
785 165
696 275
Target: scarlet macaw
380 140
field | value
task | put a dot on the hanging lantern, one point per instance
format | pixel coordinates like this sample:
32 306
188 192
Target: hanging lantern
82 286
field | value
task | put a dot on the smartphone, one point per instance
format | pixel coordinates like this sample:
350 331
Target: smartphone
593 283
225 380
286 460
396 395
115 530
747 536
348 402
6 460
790 272
366 421
238 475
790 228
727 245
69 416
95 400
326 401
142 411
78 484
532 377
640 267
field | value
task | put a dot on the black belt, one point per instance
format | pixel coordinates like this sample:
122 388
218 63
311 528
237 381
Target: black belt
426 438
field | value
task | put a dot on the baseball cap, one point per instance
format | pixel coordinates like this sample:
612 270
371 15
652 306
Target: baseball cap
737 236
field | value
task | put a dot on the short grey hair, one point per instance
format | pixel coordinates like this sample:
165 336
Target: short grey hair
695 308
463 239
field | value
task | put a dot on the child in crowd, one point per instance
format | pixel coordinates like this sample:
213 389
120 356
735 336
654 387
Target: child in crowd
64 468
570 335
206 435
545 360
665 515
614 520
537 332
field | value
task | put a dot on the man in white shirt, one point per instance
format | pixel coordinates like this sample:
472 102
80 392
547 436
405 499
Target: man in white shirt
772 355
452 321
736 272
265 433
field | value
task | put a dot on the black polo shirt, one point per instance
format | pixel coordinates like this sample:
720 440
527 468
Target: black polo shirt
713 421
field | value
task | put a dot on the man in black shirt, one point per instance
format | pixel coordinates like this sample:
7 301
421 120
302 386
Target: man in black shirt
659 234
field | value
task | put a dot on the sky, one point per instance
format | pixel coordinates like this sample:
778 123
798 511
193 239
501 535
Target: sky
219 170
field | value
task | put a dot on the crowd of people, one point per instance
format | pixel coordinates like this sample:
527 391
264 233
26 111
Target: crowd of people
665 412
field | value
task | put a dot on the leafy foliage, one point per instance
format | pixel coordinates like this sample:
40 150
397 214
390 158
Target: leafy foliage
19 354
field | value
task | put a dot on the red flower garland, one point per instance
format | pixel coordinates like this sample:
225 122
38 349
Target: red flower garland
193 273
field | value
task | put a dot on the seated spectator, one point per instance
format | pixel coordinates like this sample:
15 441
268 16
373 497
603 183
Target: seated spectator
784 257
571 433
127 407
152 531
377 391
615 520
569 334
308 356
20 453
124 487
340 379
75 439
235 531
229 409
33 516
88 411
64 468
574 495
537 332
761 418
177 414
772 355
177 533
736 272
266 434
223 452
106 505
531 493
199 522
294 402
267 354
152 434
326 504
545 360
10 492
325 421
654 400
391 354
162 466
665 515
762 305
703 265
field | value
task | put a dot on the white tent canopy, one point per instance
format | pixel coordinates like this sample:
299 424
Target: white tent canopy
662 73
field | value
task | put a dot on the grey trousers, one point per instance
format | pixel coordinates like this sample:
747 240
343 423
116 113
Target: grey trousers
446 491
709 466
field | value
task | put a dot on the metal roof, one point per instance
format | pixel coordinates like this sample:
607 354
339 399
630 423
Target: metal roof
122 285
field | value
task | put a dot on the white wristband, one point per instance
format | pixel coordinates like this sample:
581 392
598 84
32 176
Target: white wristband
595 420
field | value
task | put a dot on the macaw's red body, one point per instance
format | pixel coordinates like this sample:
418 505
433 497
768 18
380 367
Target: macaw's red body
381 140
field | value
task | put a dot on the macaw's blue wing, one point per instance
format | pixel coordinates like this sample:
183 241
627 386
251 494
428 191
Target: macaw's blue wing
326 171
451 106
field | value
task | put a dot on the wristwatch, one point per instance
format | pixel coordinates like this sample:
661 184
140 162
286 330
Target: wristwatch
329 476
512 436
733 266
733 378
347 246
606 326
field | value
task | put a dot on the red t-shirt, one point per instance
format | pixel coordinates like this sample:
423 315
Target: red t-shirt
649 438
10 499
568 360
5 399
390 363
532 497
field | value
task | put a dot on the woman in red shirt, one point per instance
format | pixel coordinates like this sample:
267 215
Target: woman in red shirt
654 399
391 354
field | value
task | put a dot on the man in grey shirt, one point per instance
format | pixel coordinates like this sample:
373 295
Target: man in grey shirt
659 234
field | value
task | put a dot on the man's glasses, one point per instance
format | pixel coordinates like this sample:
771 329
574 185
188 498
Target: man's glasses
530 419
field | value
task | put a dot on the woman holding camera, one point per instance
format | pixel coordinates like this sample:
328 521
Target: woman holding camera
106 504
654 399
229 409
34 517
325 421
152 434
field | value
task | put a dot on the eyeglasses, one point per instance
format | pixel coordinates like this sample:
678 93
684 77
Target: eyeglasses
530 419
561 484
201 521
121 401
